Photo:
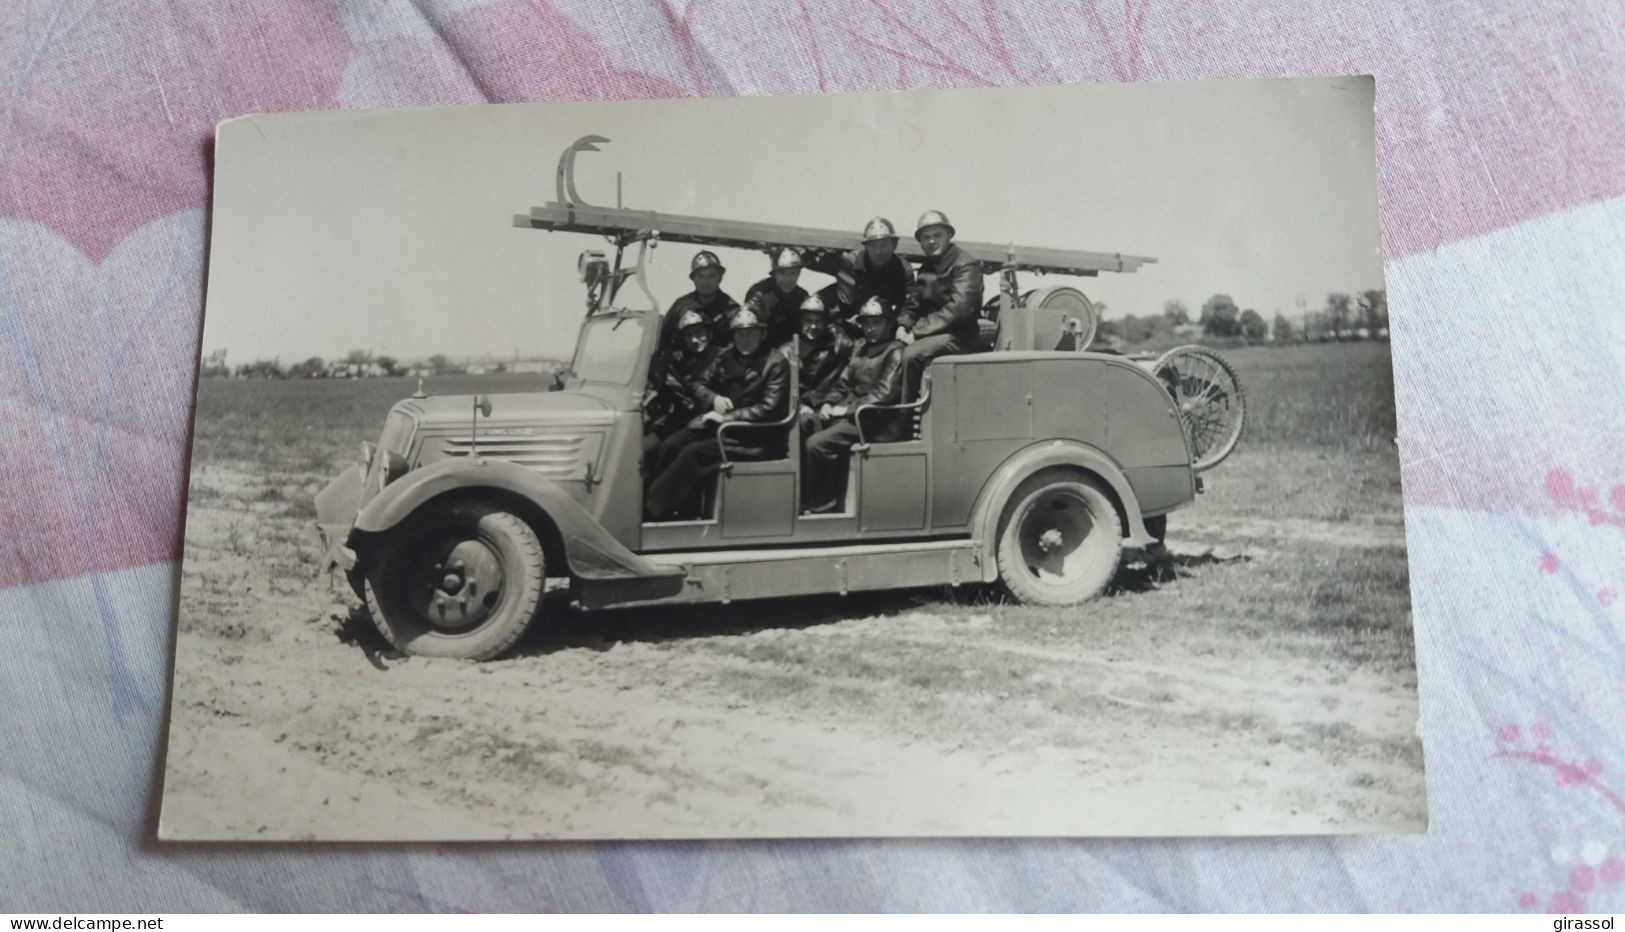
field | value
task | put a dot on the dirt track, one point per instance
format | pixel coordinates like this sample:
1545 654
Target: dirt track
1247 693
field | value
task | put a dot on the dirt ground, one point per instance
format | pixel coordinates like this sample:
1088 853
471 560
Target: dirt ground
1268 686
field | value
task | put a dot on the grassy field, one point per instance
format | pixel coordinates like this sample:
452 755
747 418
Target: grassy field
1268 683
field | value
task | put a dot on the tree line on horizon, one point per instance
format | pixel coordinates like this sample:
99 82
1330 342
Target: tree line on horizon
1359 315
354 364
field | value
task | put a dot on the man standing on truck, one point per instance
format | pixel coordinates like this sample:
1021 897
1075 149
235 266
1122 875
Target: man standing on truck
707 299
777 298
943 305
671 401
823 351
871 377
750 382
873 270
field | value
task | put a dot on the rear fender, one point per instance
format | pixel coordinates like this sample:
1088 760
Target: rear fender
589 550
1040 456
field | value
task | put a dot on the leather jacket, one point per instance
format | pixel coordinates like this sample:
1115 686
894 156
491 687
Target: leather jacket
780 311
672 383
946 297
758 384
719 311
856 281
873 376
822 362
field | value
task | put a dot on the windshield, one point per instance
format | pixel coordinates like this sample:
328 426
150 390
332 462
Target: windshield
609 349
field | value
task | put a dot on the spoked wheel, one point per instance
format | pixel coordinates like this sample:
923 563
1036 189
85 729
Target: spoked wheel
458 579
1209 399
1060 541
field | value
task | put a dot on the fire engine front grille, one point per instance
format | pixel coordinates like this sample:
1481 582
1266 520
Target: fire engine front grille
558 457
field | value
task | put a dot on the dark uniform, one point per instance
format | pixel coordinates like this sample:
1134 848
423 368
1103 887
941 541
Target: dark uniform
873 376
942 311
780 310
822 362
856 281
673 400
718 312
759 386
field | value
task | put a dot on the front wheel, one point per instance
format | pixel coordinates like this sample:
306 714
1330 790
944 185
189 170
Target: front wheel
1060 540
458 579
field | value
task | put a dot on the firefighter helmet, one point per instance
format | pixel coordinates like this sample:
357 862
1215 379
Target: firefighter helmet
691 319
933 218
705 259
878 229
786 258
745 319
875 307
813 305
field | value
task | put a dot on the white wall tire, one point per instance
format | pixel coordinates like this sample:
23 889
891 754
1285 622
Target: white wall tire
1060 540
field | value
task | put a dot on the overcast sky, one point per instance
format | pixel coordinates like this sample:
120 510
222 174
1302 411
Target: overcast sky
392 230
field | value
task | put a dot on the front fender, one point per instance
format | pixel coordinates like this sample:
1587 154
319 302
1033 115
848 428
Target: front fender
590 550
1029 460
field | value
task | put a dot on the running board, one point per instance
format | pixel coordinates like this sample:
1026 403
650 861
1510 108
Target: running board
726 575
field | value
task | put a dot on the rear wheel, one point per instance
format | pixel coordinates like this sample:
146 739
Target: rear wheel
458 579
1060 540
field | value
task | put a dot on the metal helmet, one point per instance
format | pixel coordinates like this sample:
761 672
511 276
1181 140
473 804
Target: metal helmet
691 319
878 229
875 307
787 258
933 218
745 319
813 305
705 259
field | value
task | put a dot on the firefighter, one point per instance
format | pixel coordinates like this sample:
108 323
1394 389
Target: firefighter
748 381
874 270
707 299
671 402
776 300
823 351
944 303
873 376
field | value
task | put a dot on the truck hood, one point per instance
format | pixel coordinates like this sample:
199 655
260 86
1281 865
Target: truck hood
562 408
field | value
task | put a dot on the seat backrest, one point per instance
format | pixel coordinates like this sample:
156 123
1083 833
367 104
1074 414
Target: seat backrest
792 405
912 414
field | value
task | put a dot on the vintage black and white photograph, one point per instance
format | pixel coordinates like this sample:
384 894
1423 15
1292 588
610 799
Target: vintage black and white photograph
1012 462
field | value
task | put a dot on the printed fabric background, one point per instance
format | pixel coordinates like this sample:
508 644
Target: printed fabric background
1501 129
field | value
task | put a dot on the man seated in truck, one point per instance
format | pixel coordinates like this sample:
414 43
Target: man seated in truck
748 381
873 270
776 299
823 351
670 401
707 299
944 303
871 377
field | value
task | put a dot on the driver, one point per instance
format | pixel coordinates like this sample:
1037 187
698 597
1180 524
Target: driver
707 299
671 400
748 381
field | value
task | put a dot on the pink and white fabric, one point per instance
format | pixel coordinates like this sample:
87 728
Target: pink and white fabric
1502 138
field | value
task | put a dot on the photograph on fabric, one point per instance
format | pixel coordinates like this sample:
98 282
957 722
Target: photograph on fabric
1003 462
